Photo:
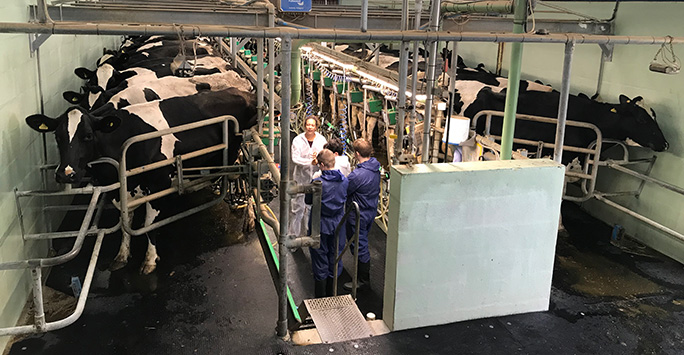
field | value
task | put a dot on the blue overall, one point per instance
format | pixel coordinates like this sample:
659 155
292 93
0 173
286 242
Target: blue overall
364 189
333 197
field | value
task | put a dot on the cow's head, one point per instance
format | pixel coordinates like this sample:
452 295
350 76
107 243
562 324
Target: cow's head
76 133
639 125
106 76
89 97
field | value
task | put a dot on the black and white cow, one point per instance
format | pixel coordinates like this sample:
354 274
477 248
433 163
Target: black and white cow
135 90
106 77
83 137
627 120
130 56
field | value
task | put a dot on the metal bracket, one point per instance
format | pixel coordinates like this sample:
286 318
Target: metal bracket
607 50
36 40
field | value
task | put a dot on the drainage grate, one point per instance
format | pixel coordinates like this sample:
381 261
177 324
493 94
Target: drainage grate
337 319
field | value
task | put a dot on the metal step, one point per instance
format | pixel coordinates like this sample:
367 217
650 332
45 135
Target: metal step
337 319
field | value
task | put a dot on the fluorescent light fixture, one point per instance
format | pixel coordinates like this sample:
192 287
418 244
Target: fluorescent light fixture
331 60
377 80
421 97
306 49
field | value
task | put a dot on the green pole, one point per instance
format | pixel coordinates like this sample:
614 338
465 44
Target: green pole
513 82
296 70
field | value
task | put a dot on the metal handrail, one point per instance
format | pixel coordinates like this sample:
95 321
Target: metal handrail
39 315
589 164
355 239
76 248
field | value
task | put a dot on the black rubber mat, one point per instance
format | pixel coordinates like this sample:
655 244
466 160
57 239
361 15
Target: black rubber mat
212 294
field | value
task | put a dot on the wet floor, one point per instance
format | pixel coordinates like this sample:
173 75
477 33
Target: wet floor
212 294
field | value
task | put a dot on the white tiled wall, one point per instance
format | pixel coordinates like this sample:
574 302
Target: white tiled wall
21 148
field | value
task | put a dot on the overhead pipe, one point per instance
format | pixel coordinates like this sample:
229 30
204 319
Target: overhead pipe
563 104
337 35
499 7
283 23
513 82
432 60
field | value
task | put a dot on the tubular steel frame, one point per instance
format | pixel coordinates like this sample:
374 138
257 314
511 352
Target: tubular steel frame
94 212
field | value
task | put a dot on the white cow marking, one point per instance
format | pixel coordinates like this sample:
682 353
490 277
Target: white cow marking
104 73
74 118
92 98
468 90
172 86
209 62
642 104
152 115
68 170
149 45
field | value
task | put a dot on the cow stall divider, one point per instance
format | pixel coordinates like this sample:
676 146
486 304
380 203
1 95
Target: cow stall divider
93 212
593 152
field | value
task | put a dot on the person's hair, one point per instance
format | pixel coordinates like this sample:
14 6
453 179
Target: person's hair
364 148
312 117
335 146
326 157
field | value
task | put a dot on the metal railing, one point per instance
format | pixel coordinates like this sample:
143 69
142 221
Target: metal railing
590 163
194 185
93 212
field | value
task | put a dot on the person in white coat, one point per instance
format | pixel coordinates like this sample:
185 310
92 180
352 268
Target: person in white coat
341 160
305 147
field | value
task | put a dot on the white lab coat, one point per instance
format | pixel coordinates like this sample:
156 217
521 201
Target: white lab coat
302 173
341 164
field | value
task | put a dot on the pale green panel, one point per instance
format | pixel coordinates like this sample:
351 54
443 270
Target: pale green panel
391 249
12 299
21 147
15 10
470 240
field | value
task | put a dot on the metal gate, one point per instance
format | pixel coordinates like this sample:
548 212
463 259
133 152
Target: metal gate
186 181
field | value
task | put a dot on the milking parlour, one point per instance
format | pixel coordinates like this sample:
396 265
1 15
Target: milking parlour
324 176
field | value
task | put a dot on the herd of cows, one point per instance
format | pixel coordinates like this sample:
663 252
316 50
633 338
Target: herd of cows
136 89
477 89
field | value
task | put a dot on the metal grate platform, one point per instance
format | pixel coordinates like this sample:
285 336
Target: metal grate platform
337 319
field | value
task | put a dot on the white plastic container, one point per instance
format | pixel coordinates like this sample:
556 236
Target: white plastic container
458 128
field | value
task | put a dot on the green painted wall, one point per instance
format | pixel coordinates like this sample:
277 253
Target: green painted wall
21 148
627 74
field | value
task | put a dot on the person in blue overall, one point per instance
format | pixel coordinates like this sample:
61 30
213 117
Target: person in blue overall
333 198
364 189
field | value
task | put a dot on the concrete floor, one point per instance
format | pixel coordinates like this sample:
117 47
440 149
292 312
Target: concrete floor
212 294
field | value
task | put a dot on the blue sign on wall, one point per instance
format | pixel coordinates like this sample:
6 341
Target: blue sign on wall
295 5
